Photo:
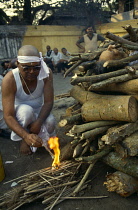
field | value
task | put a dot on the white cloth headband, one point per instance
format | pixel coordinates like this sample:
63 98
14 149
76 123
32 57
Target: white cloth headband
44 71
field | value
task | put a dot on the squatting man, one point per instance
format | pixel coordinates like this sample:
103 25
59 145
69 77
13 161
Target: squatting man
27 99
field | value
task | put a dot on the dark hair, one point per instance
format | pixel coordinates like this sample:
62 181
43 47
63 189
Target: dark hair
3 63
63 48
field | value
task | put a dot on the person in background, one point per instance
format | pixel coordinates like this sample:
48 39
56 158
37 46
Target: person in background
90 40
56 56
27 99
47 57
64 60
5 66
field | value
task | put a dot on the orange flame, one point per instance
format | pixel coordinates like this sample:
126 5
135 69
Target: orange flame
54 145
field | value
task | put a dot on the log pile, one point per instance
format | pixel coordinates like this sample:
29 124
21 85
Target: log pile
106 124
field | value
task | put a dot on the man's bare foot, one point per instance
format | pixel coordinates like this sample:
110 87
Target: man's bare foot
25 148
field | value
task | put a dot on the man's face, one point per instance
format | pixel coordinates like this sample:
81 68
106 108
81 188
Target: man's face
64 51
89 30
29 71
56 51
48 48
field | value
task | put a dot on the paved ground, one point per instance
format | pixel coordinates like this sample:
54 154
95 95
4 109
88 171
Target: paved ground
25 164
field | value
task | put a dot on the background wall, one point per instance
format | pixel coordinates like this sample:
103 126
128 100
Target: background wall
13 37
55 36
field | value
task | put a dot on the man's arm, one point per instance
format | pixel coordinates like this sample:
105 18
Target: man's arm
78 43
8 99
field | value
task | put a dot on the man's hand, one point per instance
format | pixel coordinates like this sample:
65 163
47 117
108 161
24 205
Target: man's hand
33 140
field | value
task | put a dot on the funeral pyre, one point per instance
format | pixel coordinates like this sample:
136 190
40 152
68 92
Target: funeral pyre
103 125
103 122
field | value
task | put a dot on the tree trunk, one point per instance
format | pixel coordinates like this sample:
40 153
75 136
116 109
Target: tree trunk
127 165
119 108
116 134
121 183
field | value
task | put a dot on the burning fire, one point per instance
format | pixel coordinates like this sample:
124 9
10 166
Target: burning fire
54 145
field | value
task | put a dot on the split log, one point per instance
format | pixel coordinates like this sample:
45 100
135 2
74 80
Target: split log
78 150
116 134
113 80
121 183
118 108
121 62
98 78
89 126
131 32
128 165
72 109
131 144
119 39
70 120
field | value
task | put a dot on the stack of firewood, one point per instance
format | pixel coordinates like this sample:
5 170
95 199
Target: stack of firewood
103 123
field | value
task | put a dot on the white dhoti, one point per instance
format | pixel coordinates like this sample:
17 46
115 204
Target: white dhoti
25 115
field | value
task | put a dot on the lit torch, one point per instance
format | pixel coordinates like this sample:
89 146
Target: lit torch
54 145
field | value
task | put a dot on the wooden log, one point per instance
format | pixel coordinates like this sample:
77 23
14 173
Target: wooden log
119 39
89 126
93 133
98 78
131 32
70 110
96 156
131 144
116 134
129 87
113 80
77 150
86 65
121 183
73 67
128 165
70 120
118 108
130 47
121 62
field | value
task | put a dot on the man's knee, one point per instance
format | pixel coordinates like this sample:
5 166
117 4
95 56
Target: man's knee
25 112
50 124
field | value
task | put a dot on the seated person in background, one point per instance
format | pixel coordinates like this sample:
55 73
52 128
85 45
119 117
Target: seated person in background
47 57
27 99
56 56
90 40
64 60
5 65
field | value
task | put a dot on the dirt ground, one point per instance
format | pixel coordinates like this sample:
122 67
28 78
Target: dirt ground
25 164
